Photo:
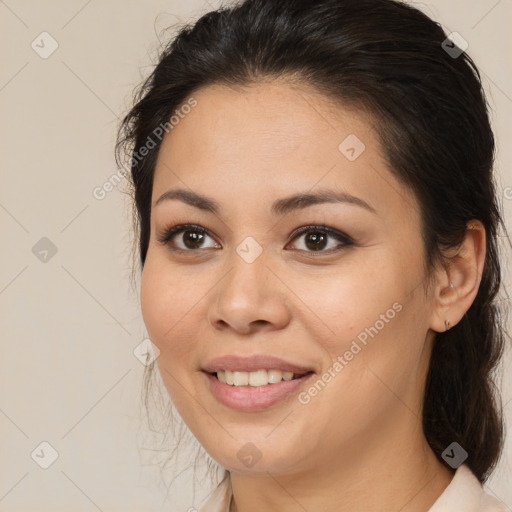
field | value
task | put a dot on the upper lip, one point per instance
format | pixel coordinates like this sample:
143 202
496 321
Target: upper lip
253 363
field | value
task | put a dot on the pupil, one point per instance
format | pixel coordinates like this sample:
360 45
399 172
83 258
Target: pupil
194 238
315 238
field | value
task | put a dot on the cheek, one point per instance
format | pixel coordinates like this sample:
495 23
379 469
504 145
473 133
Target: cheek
155 297
367 316
377 317
166 303
347 301
167 298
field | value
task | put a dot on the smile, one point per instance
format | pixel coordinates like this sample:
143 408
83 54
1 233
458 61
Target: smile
243 396
255 379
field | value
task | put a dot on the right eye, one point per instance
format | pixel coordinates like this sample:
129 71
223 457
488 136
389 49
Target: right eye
191 238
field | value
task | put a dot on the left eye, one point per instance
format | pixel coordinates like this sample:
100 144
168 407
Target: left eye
315 238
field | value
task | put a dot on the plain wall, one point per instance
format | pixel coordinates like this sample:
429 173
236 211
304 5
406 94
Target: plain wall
70 324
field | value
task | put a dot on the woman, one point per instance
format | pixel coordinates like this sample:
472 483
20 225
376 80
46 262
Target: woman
318 238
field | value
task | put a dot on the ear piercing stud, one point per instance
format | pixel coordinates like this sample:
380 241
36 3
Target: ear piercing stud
447 322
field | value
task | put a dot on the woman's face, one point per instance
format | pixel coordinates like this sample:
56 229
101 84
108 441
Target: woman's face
342 307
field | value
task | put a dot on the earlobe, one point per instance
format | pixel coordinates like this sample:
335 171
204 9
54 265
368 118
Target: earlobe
459 281
447 323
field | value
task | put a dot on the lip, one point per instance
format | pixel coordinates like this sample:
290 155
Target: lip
249 398
253 363
253 399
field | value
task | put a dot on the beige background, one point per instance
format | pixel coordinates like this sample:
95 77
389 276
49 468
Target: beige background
70 325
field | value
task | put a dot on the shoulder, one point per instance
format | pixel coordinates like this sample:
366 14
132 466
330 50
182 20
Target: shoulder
465 494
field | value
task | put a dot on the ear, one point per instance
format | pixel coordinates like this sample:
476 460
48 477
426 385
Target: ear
458 283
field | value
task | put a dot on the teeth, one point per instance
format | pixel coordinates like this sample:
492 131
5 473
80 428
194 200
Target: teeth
274 376
254 379
258 378
240 378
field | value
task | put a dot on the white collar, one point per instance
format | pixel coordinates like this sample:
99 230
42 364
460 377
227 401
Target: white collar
463 494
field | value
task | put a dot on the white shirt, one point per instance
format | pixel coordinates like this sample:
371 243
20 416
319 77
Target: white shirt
463 494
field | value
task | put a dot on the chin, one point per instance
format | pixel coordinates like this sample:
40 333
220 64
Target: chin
254 457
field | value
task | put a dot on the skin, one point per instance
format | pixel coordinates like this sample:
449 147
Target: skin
246 148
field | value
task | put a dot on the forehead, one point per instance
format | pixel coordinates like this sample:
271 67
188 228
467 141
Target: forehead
275 138
268 120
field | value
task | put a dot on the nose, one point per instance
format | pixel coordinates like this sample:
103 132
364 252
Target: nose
250 297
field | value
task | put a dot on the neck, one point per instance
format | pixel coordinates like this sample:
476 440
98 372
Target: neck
394 472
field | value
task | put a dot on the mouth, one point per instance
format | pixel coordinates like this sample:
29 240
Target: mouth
258 378
254 382
243 396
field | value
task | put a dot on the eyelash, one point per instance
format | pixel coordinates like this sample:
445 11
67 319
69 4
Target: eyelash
346 241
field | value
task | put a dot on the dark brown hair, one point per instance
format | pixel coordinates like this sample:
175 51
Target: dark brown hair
431 116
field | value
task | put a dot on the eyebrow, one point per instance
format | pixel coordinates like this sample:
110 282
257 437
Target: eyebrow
279 207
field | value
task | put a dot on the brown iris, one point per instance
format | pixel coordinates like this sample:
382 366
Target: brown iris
193 239
315 240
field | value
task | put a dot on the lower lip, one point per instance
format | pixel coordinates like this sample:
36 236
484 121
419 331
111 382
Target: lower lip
249 398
